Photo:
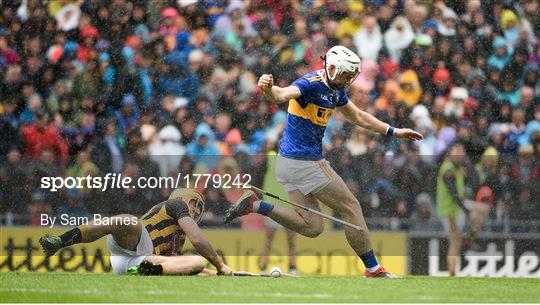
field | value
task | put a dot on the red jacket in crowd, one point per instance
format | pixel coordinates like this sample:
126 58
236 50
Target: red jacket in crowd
38 139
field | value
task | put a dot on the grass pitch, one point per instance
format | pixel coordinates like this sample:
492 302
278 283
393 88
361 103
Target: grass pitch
108 288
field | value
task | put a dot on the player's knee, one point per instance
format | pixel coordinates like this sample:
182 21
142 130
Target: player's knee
197 264
312 231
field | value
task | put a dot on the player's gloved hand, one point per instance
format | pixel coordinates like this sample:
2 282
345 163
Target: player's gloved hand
266 82
408 133
224 270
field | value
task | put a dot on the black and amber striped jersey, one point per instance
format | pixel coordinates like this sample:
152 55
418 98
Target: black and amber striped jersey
161 222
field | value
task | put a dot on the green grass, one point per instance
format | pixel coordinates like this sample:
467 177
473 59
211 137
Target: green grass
89 288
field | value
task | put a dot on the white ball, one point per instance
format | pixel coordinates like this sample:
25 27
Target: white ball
275 272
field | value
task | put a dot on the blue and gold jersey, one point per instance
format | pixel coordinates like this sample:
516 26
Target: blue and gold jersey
308 117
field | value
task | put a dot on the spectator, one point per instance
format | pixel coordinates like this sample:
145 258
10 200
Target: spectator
108 152
384 200
9 128
410 90
525 172
398 37
177 79
67 16
36 207
367 79
74 206
357 144
487 167
83 167
234 14
478 89
203 149
8 56
41 135
441 82
168 151
13 177
455 105
509 92
448 25
502 55
215 206
389 98
369 39
88 84
128 116
446 136
350 25
33 105
423 218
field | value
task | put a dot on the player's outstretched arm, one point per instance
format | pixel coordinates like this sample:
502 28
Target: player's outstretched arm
367 121
277 94
202 245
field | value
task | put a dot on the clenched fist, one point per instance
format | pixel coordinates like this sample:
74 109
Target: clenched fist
266 82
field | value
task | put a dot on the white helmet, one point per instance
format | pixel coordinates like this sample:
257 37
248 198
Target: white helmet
344 61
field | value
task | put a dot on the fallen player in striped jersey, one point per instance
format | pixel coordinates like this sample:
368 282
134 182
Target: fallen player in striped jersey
151 245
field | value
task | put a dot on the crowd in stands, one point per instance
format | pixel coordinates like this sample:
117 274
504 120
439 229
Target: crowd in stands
157 87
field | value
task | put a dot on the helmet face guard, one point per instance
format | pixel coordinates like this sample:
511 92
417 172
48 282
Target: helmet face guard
194 201
196 209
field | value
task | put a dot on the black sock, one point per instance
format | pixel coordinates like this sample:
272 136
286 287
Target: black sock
292 266
71 237
147 268
157 270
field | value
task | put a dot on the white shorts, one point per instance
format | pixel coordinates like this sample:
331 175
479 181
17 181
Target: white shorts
302 175
460 222
122 259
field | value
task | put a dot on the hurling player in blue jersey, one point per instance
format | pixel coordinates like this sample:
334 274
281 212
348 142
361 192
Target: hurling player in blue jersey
300 165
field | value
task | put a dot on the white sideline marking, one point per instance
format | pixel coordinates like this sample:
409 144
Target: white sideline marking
168 292
45 290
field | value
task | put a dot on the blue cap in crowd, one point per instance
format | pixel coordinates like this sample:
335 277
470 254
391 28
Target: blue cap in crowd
429 24
128 100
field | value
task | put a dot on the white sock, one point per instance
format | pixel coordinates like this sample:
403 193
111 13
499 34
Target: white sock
373 269
256 206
